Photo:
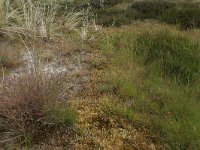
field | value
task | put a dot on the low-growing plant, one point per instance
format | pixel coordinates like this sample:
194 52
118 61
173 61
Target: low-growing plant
114 108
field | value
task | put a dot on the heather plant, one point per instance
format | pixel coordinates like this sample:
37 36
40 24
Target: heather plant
32 109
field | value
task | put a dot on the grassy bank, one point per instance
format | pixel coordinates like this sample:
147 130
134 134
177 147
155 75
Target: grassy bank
154 72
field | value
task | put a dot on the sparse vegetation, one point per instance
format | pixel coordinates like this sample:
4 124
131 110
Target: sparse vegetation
100 74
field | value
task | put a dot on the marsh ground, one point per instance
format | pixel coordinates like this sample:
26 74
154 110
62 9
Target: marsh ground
128 79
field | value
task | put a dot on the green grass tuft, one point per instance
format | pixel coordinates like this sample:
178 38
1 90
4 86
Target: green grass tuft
177 56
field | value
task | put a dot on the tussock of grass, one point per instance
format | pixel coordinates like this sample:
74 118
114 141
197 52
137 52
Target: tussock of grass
177 56
31 109
33 19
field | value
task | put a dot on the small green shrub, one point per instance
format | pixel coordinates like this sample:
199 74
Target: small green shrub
104 88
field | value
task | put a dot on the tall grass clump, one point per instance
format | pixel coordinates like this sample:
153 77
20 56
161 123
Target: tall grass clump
42 19
156 77
32 108
177 56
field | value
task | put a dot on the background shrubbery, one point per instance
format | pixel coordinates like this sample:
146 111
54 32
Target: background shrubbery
106 3
110 13
185 14
111 17
151 9
185 17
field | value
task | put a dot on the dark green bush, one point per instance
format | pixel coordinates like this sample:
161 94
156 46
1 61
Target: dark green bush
111 17
106 3
151 9
177 56
185 17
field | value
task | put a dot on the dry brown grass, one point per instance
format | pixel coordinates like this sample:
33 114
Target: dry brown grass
99 131
33 19
8 59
